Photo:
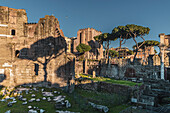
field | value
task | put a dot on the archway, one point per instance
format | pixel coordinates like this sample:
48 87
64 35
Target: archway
130 72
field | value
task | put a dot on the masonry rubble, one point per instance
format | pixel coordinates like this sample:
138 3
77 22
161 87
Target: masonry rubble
59 100
102 108
58 111
151 92
9 111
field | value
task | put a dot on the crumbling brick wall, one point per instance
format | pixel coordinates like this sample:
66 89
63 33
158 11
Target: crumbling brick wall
23 50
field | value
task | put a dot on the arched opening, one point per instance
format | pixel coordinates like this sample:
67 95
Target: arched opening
17 53
12 32
130 72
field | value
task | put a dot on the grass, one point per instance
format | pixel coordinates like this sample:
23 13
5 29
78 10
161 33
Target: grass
110 80
106 99
119 108
80 99
79 102
19 108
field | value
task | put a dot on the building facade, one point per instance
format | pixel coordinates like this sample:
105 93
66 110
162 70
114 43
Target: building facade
86 36
144 53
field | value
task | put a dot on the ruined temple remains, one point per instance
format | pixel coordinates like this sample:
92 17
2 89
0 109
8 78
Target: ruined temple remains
32 52
86 36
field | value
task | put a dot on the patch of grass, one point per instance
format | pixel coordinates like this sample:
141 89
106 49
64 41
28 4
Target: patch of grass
19 108
118 108
107 99
79 102
110 80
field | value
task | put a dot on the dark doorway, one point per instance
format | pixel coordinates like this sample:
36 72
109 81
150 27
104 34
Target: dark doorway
130 72
12 32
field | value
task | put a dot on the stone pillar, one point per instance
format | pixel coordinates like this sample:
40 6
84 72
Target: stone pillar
162 38
94 74
162 48
152 52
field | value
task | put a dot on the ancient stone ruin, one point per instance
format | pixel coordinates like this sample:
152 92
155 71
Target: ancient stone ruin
32 52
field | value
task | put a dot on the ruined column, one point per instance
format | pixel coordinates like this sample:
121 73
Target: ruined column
94 74
162 48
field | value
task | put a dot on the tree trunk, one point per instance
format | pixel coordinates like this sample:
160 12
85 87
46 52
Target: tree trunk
107 51
120 47
144 55
135 55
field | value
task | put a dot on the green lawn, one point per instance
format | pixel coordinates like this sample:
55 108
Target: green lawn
110 80
79 100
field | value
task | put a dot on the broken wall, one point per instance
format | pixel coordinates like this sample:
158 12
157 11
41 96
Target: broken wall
26 54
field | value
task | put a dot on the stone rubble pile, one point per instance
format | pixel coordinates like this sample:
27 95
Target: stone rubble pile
59 100
101 108
9 111
57 111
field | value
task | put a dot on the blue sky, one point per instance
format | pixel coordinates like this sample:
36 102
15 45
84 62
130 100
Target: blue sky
103 15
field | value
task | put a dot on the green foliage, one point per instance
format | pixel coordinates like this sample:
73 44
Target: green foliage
81 57
105 37
103 98
82 48
148 43
130 31
136 30
111 80
130 52
78 99
120 32
113 53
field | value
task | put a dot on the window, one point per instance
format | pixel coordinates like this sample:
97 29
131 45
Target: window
12 32
17 53
80 38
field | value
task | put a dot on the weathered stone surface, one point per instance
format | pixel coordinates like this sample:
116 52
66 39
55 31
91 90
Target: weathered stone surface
32 111
85 36
9 111
57 111
151 93
20 46
102 108
107 87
